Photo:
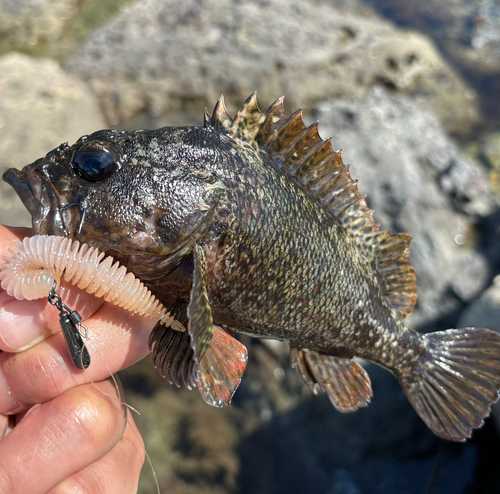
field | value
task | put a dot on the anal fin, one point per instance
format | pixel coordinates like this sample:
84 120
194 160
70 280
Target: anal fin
221 368
344 381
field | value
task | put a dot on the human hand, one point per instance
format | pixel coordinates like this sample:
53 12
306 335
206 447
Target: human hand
71 433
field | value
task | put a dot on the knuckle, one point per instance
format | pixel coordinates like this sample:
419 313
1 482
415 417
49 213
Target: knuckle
97 418
37 374
79 484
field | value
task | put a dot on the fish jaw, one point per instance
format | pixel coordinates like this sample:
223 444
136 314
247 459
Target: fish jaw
40 200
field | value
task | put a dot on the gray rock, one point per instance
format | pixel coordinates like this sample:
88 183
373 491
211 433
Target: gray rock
29 21
416 181
466 32
464 29
40 107
485 311
490 147
164 55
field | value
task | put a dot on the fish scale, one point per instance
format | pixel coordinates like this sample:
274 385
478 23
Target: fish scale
253 224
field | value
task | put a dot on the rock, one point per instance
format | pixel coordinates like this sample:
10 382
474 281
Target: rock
416 181
489 150
485 311
485 36
40 107
29 21
191 445
164 55
467 33
381 449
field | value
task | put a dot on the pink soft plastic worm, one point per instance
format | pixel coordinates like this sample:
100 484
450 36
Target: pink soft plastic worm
40 260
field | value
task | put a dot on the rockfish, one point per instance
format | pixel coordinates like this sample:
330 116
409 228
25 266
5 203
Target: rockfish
253 224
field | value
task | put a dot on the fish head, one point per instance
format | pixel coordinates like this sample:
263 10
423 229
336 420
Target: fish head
134 193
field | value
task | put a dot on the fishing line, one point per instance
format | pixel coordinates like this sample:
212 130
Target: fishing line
434 478
119 391
83 365
42 261
125 406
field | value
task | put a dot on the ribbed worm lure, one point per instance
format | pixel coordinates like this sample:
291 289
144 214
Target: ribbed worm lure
41 261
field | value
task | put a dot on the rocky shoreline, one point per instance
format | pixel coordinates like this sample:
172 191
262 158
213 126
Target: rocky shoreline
408 90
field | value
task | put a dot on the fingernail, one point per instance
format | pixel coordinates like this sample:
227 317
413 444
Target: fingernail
20 325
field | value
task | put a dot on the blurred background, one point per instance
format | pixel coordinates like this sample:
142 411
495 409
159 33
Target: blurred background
410 90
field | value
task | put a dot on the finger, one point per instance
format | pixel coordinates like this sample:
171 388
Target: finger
8 237
116 473
69 433
115 340
25 323
4 424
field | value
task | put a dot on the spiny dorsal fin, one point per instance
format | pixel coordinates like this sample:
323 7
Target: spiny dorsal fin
314 165
220 120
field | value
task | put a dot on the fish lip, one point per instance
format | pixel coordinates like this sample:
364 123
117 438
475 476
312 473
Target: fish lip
29 191
38 198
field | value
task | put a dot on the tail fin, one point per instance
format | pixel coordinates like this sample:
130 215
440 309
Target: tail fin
455 381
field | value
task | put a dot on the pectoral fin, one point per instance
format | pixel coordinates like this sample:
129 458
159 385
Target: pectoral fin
344 381
205 355
221 368
199 313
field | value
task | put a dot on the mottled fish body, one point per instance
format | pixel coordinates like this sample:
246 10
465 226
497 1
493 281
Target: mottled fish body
253 224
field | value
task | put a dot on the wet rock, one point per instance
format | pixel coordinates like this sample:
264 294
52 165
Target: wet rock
163 55
466 30
468 33
383 448
40 107
485 311
192 445
416 181
29 21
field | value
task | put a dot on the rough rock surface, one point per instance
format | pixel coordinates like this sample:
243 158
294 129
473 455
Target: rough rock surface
468 34
485 311
29 21
162 55
40 107
259 445
416 181
468 31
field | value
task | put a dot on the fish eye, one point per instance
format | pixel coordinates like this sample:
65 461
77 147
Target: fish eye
95 160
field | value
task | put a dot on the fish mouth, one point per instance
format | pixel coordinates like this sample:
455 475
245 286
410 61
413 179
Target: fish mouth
39 199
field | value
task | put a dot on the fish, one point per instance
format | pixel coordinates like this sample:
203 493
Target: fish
254 225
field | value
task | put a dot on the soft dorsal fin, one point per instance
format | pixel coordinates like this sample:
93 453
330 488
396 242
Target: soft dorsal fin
313 164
